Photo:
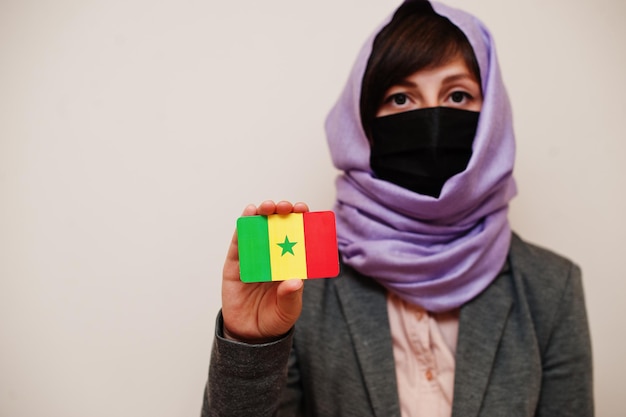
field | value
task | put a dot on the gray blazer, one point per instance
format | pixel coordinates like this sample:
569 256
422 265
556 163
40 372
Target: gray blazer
523 350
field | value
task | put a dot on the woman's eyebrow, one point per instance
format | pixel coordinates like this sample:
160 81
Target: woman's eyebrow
404 83
459 77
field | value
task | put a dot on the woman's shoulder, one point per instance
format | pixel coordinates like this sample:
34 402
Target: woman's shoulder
548 283
539 265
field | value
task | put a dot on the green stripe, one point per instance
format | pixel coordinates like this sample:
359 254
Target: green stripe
254 249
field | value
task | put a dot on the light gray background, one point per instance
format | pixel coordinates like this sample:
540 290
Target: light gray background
133 133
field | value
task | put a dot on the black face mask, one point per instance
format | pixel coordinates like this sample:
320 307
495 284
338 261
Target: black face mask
421 149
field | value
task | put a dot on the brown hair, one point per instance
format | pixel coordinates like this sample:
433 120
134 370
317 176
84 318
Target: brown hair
416 38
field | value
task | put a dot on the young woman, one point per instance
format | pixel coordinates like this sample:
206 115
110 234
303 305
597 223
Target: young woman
440 310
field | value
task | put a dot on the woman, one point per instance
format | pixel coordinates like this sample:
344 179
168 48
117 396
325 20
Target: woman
440 309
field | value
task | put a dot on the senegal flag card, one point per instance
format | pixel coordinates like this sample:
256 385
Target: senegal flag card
287 246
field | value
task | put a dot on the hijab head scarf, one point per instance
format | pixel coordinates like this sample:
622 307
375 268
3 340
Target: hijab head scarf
437 253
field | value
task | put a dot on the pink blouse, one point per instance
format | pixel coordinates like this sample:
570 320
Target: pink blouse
424 345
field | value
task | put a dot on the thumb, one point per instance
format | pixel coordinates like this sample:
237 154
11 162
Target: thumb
289 300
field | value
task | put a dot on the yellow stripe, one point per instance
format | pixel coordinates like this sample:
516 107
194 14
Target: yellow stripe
288 231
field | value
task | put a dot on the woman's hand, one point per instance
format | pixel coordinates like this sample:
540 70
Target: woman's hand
259 312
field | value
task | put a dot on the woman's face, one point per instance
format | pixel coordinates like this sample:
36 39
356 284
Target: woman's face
449 85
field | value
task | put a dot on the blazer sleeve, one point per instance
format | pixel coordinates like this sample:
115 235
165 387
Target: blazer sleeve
567 383
244 379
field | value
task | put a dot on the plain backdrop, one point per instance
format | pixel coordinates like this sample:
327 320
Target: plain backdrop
133 133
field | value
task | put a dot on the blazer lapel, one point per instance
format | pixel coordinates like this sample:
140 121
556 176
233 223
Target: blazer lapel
477 345
371 337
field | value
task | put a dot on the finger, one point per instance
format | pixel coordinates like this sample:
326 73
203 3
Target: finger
289 299
233 252
300 207
266 208
250 210
230 269
284 207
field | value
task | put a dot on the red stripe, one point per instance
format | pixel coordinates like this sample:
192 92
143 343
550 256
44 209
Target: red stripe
322 259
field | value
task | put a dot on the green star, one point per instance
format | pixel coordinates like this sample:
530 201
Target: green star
287 246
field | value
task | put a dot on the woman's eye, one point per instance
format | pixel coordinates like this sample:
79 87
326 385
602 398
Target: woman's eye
399 99
459 96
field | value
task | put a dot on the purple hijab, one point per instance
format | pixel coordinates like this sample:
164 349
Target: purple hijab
435 253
